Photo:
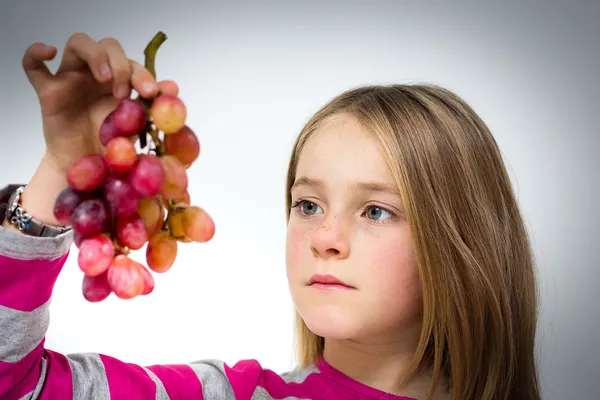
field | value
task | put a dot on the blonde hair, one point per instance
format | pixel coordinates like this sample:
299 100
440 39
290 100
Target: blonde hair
474 257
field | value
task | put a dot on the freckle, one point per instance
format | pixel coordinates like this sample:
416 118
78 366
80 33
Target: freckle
326 227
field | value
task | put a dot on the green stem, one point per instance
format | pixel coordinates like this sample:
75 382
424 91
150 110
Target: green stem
149 62
150 52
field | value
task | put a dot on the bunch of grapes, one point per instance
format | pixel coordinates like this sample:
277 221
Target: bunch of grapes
121 200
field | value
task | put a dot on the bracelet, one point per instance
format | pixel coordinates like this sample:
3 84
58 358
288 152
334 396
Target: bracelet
26 223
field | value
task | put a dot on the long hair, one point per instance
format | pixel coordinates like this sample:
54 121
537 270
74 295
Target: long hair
473 251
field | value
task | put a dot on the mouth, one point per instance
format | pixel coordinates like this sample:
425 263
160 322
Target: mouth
328 282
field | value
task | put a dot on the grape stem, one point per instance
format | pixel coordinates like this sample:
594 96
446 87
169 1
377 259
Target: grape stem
150 64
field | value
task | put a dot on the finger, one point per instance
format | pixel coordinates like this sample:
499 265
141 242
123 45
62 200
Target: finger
142 80
168 87
120 66
34 64
81 50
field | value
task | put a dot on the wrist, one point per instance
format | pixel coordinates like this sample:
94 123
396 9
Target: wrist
40 194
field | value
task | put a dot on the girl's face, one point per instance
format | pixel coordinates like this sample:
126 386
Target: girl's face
348 223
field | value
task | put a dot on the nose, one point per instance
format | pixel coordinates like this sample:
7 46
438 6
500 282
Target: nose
330 240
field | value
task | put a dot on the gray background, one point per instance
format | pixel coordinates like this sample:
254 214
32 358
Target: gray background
252 74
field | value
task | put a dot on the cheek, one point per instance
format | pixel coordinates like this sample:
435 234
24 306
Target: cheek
297 246
393 268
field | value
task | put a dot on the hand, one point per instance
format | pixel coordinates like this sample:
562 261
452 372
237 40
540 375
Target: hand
90 81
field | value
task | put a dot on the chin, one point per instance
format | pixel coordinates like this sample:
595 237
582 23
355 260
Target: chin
330 321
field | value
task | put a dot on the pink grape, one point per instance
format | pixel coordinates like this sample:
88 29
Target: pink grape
96 254
197 224
130 117
90 218
168 113
184 145
108 130
120 154
120 196
148 281
153 214
96 288
175 183
131 232
161 252
88 173
147 175
65 204
125 277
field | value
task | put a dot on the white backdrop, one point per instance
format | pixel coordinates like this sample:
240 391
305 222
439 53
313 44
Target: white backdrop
251 75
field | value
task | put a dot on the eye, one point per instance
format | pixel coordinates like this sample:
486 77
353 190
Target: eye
306 207
374 212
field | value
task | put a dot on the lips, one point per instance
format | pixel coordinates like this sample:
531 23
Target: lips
328 282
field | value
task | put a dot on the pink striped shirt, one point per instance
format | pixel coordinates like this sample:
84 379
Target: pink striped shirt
29 268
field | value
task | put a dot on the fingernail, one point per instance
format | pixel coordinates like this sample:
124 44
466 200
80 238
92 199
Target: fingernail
105 71
148 86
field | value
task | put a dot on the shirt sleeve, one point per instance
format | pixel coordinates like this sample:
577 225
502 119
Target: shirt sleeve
29 267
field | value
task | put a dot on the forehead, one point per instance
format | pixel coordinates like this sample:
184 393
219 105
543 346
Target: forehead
343 150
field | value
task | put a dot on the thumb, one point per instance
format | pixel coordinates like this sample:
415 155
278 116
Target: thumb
34 64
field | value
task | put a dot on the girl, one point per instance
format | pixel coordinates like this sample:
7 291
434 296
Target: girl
407 257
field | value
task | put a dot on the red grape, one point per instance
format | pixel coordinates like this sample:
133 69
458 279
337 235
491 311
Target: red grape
125 277
168 113
65 204
161 252
96 254
175 182
148 281
197 224
88 173
147 175
153 214
120 196
131 232
96 288
90 218
78 238
130 117
120 154
108 130
184 145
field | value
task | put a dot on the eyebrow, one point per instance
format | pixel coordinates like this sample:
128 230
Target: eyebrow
362 186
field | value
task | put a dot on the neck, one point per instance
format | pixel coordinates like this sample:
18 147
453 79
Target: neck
379 365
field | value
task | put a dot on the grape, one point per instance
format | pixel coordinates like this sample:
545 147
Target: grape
96 254
153 214
131 232
65 204
161 252
148 281
108 130
130 117
184 145
78 238
197 224
122 199
147 175
120 154
88 173
90 218
96 288
175 182
125 277
168 113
